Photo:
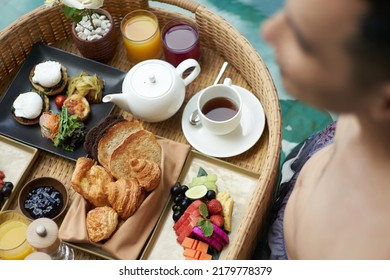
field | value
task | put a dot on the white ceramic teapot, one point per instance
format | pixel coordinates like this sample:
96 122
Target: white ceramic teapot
154 90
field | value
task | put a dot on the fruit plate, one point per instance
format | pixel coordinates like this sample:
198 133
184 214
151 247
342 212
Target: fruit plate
31 134
235 180
15 170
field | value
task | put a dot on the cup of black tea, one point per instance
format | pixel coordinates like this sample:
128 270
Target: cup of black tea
219 108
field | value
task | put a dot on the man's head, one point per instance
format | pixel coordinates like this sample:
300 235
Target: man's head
332 53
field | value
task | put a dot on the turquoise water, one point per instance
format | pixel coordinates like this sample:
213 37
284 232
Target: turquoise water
13 9
247 16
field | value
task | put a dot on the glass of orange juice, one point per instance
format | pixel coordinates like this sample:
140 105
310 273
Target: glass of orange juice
13 243
141 36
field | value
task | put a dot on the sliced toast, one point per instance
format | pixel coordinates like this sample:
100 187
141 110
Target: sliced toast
139 145
113 138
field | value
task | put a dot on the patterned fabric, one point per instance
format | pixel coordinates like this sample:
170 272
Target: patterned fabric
289 174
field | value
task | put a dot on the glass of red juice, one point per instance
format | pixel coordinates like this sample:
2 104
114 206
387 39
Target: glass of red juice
180 41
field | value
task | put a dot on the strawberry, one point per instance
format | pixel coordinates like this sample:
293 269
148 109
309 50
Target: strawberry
217 220
214 207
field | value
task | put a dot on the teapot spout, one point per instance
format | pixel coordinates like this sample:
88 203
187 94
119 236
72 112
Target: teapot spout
118 99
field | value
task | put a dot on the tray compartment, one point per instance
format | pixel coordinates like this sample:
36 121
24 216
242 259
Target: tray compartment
238 182
16 160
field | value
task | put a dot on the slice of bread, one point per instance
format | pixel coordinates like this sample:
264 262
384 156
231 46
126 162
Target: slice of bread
96 133
139 145
100 136
113 138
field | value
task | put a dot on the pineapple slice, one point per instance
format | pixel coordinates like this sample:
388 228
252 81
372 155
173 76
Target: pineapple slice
227 209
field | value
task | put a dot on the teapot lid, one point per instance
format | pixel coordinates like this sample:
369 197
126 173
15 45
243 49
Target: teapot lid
152 78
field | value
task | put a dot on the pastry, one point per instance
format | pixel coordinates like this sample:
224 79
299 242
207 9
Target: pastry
125 196
90 181
101 222
113 138
145 171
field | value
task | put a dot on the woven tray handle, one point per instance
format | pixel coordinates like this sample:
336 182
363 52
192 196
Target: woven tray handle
188 5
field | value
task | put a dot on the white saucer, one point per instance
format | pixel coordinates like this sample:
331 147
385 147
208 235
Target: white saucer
236 142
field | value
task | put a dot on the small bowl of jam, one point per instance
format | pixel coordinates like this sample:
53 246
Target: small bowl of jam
44 197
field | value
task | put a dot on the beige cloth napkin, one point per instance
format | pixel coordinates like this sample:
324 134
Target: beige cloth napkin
131 236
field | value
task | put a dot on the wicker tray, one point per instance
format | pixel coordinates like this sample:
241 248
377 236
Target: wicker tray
219 41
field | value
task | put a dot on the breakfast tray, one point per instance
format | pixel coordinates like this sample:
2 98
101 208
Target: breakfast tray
219 42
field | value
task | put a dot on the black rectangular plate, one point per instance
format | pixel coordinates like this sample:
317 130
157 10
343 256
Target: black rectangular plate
31 135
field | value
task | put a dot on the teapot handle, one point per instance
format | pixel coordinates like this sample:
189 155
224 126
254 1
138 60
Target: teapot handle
185 65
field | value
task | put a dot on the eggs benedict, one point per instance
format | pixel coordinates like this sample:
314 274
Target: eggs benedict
28 107
49 77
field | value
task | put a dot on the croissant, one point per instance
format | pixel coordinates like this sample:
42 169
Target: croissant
101 223
146 172
90 180
125 196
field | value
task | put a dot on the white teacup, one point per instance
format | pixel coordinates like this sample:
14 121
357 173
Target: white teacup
219 108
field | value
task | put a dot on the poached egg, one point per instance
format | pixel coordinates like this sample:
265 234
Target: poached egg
28 105
47 74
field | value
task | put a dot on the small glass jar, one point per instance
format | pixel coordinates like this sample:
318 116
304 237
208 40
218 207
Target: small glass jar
42 234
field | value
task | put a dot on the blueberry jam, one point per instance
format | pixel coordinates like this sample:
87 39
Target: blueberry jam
43 202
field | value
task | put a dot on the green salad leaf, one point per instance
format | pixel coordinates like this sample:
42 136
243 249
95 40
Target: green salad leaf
71 131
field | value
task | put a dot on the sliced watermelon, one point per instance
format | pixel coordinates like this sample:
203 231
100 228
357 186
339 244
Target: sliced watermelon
181 220
183 227
186 228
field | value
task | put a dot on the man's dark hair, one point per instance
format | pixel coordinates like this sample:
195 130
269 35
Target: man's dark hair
370 49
